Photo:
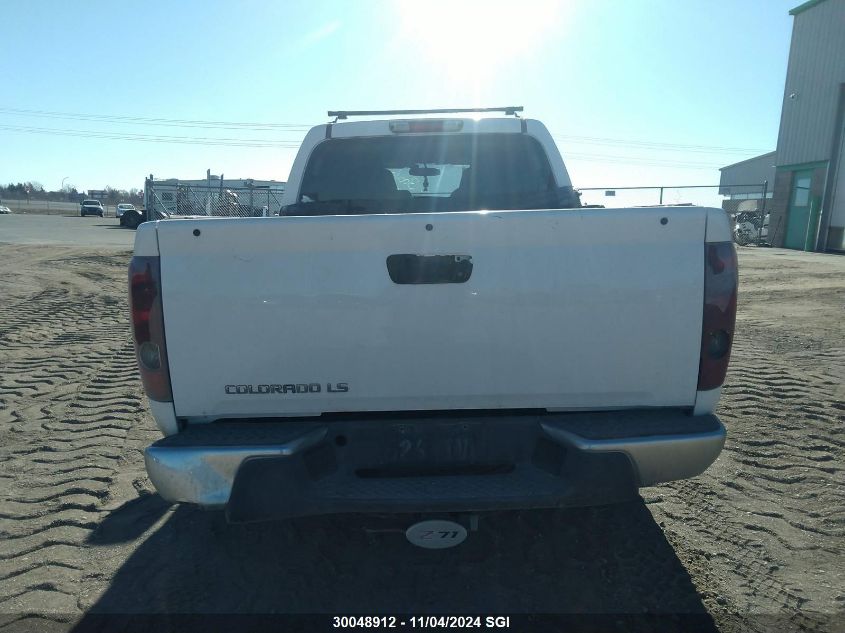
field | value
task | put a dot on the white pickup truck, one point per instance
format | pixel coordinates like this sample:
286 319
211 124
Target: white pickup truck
432 325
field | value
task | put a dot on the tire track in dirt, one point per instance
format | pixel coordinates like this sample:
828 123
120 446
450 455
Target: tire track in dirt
767 520
70 397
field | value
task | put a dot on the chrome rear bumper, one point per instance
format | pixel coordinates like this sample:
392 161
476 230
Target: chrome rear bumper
547 460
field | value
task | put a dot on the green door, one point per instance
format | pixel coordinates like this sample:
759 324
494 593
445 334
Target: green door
798 217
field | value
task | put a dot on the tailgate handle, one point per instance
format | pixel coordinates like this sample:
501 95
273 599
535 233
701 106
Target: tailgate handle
429 269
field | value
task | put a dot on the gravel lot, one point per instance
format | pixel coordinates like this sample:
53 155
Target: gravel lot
756 543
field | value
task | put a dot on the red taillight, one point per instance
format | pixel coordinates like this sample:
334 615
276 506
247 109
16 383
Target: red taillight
717 332
148 327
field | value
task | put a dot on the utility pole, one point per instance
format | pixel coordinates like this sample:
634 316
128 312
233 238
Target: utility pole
763 215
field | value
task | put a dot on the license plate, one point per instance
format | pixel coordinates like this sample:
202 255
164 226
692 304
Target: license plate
450 443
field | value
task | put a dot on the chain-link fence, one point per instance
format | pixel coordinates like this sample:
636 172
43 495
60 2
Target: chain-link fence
166 199
746 205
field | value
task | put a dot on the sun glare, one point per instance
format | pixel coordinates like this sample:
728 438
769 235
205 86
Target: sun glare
472 38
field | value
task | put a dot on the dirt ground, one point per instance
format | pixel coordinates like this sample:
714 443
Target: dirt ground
756 543
68 230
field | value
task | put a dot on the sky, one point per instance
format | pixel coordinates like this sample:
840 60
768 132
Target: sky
636 93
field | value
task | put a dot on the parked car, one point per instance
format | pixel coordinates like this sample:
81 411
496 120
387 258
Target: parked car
91 207
122 208
433 325
4 209
131 218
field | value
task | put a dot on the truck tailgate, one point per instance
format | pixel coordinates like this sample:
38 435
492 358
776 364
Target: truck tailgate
580 309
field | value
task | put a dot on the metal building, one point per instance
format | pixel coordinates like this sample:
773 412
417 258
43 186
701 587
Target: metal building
808 203
748 184
734 178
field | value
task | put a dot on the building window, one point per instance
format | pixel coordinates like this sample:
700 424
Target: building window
801 191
